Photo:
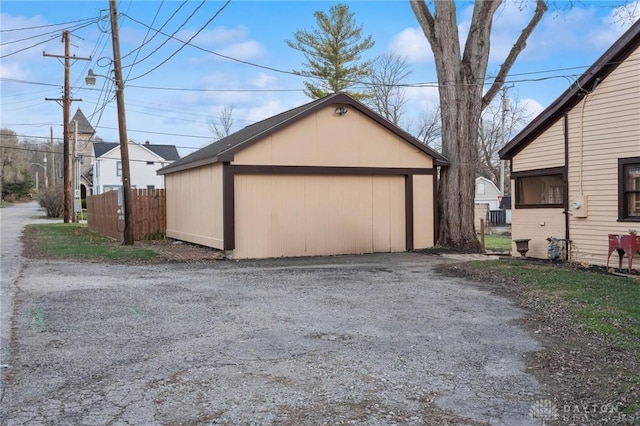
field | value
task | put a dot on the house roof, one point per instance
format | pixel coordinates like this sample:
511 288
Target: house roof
167 152
101 148
487 181
608 62
225 148
84 127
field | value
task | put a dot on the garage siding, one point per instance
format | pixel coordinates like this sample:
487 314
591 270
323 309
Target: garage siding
313 215
194 206
423 212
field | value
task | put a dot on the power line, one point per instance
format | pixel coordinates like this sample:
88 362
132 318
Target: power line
27 48
144 41
48 151
43 26
185 44
169 38
156 32
240 61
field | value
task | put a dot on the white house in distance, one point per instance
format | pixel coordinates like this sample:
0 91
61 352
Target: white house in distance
144 160
487 193
490 205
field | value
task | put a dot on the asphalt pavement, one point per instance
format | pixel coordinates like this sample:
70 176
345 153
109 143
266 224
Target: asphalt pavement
12 221
373 339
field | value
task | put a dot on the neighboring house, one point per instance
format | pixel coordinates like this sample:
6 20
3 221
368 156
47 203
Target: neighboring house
487 204
84 150
144 161
575 169
329 177
487 193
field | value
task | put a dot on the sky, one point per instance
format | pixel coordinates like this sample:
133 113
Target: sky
237 59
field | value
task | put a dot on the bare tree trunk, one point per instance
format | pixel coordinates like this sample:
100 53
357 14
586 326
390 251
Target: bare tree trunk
461 78
457 181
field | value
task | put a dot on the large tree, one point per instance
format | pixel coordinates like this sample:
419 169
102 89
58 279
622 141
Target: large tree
461 76
333 52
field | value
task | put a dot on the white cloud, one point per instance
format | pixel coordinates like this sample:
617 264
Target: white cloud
221 36
263 81
245 50
531 107
412 44
423 98
614 25
12 70
265 109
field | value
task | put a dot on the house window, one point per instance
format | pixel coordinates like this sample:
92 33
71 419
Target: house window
118 168
151 187
150 163
539 189
629 189
480 189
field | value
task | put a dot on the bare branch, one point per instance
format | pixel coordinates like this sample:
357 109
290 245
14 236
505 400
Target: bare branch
425 19
222 124
520 44
388 96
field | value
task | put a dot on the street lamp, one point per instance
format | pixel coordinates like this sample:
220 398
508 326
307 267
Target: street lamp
127 204
46 177
90 79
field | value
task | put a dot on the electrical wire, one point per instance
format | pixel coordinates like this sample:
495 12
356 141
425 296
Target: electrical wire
185 44
5 30
144 40
156 32
220 55
168 38
28 47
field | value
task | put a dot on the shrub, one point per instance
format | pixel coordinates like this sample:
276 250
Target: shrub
18 188
52 200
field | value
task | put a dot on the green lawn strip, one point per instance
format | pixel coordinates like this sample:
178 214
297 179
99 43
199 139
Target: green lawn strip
76 241
604 304
497 242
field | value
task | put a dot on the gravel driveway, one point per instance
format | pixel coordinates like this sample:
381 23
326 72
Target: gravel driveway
375 339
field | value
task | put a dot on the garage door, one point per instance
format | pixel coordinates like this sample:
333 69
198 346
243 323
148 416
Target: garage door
310 215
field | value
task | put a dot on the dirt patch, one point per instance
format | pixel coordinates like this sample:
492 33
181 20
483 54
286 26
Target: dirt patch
178 251
593 379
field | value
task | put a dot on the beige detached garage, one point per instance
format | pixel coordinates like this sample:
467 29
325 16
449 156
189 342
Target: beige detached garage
329 177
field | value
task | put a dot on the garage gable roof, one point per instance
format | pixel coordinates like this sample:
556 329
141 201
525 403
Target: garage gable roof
608 62
225 148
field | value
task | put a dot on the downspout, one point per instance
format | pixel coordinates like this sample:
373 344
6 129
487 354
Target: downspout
436 207
566 186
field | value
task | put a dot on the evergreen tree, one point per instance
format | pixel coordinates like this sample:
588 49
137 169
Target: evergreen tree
333 51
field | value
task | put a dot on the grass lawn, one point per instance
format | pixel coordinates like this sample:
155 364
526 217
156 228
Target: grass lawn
76 241
605 304
497 242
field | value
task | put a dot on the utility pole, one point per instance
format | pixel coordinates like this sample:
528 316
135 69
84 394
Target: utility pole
122 127
52 159
505 108
66 106
77 203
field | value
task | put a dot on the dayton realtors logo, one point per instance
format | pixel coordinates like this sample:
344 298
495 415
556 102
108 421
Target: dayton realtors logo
544 410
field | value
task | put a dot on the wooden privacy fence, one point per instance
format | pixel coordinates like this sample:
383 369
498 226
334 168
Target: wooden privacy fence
105 214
